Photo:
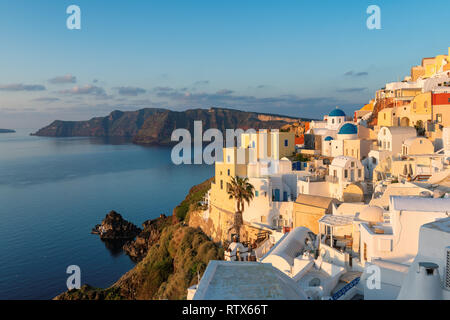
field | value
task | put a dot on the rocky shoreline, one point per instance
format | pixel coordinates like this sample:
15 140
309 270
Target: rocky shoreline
168 253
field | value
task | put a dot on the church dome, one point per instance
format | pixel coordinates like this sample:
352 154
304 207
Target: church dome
336 113
348 128
328 138
372 214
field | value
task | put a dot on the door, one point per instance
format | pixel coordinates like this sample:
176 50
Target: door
276 195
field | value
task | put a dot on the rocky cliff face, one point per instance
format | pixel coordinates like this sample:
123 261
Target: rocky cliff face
150 235
168 269
117 124
155 126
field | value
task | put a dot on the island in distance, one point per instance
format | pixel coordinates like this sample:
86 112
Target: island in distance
7 131
154 126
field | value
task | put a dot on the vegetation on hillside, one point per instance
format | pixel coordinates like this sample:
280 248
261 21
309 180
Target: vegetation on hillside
171 265
193 200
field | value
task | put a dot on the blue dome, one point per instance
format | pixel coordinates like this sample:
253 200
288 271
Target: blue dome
328 138
348 128
336 113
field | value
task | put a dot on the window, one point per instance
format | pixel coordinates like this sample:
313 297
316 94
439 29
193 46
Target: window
345 174
332 121
353 164
229 172
256 193
365 251
384 116
229 159
221 184
286 143
359 173
254 144
439 118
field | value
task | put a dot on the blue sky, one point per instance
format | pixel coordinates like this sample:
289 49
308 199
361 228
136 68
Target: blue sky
299 58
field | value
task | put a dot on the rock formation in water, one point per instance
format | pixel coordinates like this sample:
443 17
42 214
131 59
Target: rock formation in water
114 227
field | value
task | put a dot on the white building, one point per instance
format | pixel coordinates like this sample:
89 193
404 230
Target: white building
391 246
391 138
428 276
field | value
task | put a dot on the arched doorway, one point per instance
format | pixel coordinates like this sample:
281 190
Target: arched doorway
404 122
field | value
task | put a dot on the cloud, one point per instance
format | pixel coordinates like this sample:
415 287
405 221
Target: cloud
68 78
225 98
85 90
163 89
130 91
46 99
347 90
356 74
201 83
224 92
22 87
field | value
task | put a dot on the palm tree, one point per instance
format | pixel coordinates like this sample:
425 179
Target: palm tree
241 191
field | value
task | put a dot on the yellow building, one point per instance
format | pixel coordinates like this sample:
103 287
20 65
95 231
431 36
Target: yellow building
235 163
421 108
269 144
309 209
224 170
431 66
395 117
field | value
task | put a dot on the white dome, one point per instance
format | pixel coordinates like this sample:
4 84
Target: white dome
372 214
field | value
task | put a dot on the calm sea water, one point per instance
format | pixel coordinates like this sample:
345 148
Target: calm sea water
54 190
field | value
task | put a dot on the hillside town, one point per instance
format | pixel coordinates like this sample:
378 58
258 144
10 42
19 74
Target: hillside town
355 208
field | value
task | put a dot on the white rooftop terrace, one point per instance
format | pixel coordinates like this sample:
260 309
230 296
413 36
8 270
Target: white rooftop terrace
226 280
420 204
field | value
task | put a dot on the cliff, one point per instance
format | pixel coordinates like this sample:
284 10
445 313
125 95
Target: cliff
155 126
171 255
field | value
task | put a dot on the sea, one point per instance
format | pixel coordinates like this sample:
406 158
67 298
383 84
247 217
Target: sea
53 191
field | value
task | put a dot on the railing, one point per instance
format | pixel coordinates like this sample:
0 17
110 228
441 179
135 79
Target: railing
345 289
332 179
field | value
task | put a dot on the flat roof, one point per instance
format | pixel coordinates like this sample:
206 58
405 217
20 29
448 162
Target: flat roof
231 280
336 220
411 203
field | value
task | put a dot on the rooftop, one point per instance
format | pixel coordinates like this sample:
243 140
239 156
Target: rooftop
421 204
226 280
336 221
337 113
348 128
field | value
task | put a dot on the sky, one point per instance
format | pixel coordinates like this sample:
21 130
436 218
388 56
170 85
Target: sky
293 57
